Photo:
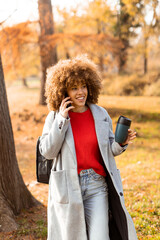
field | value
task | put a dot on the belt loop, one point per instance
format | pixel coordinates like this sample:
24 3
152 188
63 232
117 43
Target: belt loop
86 171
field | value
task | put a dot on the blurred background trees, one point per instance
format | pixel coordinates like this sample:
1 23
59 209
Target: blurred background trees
122 38
48 52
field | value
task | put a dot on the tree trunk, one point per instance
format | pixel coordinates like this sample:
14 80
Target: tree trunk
123 35
24 82
101 57
101 63
67 55
14 195
145 55
48 53
123 54
145 64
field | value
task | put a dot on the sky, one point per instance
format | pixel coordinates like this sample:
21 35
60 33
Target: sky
22 10
16 11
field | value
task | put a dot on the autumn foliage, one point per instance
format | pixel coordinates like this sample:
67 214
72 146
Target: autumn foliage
108 34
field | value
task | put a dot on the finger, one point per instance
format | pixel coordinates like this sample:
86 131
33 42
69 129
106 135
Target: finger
69 108
64 100
131 138
66 103
131 135
130 131
134 135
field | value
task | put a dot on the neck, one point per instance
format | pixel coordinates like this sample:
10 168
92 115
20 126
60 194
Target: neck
80 109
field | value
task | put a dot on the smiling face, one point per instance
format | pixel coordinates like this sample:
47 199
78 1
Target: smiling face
78 94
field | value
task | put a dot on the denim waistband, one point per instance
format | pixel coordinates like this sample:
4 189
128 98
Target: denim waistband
86 172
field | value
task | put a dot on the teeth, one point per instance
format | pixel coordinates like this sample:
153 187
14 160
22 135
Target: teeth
81 98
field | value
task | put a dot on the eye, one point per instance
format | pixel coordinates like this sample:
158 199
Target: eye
84 86
74 88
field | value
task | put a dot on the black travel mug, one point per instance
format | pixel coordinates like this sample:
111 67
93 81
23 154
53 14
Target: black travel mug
122 127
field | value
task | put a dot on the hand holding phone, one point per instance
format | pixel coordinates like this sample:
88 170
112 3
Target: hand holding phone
69 104
65 106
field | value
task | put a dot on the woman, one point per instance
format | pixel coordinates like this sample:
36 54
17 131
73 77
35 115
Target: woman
85 189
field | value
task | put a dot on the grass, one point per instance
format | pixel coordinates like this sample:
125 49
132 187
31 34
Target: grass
139 165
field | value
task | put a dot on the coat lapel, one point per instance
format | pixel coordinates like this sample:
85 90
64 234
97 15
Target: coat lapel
70 141
102 131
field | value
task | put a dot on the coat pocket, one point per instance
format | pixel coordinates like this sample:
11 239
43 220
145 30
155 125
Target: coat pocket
59 189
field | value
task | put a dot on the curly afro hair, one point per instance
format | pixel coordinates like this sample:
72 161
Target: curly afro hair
67 73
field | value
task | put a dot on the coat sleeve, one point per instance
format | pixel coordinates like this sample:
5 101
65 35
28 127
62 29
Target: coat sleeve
115 147
53 135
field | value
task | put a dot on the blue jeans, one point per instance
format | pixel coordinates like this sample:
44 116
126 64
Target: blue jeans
94 191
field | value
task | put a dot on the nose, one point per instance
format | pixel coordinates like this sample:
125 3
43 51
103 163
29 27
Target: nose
80 90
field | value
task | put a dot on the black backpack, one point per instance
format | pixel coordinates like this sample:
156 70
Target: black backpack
43 166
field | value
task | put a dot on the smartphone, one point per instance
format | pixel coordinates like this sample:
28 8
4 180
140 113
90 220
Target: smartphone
69 104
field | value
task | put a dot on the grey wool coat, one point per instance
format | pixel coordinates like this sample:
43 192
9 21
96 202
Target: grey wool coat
66 219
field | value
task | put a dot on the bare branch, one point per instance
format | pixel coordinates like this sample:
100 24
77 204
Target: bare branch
1 23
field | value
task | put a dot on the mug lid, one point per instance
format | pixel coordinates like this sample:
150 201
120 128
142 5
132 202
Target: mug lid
124 120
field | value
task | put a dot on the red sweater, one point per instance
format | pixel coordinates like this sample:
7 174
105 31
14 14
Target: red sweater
86 144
